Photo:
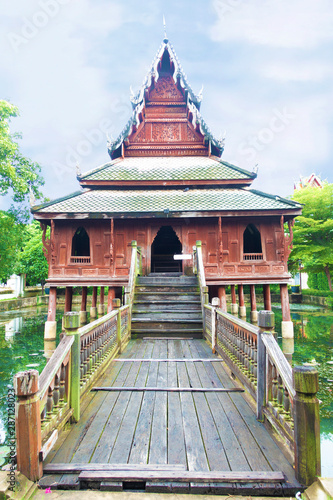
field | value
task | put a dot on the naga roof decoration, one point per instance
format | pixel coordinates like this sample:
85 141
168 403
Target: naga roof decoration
192 102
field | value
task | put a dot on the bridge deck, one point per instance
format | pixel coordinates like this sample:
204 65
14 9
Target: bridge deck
199 431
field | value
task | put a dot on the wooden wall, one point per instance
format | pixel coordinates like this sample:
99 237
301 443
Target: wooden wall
222 244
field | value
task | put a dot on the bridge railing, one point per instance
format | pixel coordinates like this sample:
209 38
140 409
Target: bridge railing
199 270
285 397
45 403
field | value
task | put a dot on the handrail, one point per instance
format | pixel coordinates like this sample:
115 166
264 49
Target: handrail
135 270
46 402
199 269
255 358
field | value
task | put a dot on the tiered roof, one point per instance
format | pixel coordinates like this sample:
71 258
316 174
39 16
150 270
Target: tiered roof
166 161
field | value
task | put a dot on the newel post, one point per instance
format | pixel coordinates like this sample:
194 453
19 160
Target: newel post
306 418
116 305
265 323
28 424
215 305
71 325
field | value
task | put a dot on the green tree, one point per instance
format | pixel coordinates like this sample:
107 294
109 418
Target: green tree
10 237
30 259
313 230
19 176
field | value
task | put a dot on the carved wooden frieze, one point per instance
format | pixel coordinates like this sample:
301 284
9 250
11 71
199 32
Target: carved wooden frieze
163 132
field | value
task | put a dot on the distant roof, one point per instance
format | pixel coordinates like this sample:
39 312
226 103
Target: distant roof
164 201
167 168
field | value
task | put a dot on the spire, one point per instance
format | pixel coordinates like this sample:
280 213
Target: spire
165 40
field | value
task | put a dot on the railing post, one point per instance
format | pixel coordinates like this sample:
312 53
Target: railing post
28 424
116 305
215 304
306 418
265 322
71 325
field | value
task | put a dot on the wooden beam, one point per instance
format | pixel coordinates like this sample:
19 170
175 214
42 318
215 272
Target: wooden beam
76 468
169 360
184 476
169 389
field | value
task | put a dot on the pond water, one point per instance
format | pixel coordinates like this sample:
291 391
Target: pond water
22 347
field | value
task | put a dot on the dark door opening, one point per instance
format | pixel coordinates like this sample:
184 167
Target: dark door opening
165 245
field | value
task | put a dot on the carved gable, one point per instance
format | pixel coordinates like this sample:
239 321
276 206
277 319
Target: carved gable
165 89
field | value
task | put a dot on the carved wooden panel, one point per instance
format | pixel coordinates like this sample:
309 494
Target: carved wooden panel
262 269
164 89
244 269
212 246
62 254
162 132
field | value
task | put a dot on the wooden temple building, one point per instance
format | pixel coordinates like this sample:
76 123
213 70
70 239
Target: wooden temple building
166 187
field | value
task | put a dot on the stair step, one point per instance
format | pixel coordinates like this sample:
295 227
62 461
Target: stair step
162 307
167 281
167 316
167 289
195 333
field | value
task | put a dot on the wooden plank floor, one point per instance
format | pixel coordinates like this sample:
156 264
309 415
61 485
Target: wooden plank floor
212 431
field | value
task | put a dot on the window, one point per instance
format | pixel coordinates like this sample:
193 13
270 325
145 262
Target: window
252 249
80 247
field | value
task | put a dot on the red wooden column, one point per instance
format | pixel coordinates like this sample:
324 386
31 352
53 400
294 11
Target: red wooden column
242 308
68 298
101 302
50 329
254 312
111 296
234 305
223 298
287 326
83 312
267 298
93 308
28 425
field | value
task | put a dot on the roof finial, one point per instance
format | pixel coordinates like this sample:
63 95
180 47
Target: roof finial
164 27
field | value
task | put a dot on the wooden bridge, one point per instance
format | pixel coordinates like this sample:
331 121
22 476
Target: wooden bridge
219 414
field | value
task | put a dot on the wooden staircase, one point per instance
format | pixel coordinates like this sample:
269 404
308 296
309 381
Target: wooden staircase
167 304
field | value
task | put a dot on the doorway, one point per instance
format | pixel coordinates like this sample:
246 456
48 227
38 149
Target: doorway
165 245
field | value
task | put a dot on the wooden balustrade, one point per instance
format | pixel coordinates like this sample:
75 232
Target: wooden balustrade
54 389
253 256
80 260
81 356
275 388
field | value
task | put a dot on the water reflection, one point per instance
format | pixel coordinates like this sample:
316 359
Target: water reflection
12 327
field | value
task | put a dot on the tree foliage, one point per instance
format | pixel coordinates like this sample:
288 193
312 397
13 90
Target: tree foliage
18 174
313 230
10 237
31 260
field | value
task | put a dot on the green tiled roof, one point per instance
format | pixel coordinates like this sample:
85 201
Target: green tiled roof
167 168
163 201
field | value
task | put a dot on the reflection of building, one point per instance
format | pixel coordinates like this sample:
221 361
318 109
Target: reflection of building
166 187
13 326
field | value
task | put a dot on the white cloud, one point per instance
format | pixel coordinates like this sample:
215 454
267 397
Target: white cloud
282 23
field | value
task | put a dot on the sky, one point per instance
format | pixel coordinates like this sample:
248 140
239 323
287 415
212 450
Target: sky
265 66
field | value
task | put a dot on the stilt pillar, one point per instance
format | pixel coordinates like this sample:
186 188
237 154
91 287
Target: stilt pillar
101 302
223 298
242 308
234 305
83 312
254 312
50 329
68 298
93 308
111 296
287 326
267 298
